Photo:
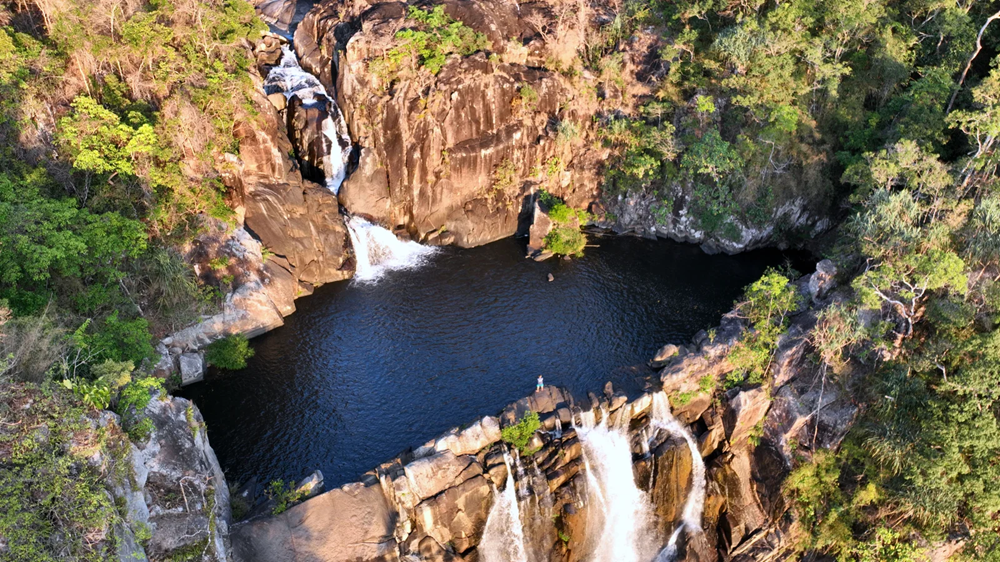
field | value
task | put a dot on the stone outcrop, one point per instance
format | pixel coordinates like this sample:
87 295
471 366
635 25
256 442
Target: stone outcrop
463 150
432 503
290 237
176 490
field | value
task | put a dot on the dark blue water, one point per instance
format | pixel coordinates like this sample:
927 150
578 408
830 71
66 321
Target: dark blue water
361 372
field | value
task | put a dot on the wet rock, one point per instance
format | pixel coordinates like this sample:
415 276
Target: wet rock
366 191
664 355
671 480
278 100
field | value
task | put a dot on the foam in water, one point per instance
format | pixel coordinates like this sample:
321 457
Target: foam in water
662 418
377 250
503 537
291 79
620 516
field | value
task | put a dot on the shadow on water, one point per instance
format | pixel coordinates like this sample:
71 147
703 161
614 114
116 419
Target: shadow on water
361 372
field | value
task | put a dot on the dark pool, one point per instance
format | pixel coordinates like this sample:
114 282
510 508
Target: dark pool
360 372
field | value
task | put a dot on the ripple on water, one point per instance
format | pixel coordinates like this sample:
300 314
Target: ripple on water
362 371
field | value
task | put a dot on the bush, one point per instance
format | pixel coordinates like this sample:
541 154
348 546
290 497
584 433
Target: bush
54 503
565 240
435 36
520 433
284 495
230 352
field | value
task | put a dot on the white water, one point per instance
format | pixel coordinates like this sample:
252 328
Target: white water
620 516
377 250
663 418
503 537
291 79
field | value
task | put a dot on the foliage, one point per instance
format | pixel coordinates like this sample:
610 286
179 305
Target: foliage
505 176
520 433
565 240
230 352
283 495
433 37
53 499
644 149
132 402
766 304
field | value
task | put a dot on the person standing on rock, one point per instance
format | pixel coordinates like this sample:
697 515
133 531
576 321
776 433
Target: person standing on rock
540 385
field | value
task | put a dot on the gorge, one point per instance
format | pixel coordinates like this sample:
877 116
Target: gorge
278 278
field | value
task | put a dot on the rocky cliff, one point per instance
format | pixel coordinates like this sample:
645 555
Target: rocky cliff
462 149
432 503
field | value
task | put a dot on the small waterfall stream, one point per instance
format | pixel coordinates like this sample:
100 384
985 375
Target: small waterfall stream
620 525
503 537
290 79
377 250
663 418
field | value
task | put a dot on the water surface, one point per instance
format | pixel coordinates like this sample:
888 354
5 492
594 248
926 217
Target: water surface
361 372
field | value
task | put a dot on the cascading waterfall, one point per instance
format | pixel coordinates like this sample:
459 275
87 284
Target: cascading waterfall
292 80
377 250
663 418
503 537
620 518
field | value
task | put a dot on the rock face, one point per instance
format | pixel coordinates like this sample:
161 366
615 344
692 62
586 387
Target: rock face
290 238
460 151
432 503
178 491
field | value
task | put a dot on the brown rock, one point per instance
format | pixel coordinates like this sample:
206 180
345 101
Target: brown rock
743 411
366 191
350 523
457 515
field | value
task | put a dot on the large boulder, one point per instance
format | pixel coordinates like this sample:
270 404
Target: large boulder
347 524
457 515
744 409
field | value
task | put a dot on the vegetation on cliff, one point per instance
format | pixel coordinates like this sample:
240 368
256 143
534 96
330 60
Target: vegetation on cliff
115 119
113 128
760 104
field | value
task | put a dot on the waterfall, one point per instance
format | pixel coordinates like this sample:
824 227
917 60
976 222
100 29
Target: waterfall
620 516
291 79
663 418
377 250
503 537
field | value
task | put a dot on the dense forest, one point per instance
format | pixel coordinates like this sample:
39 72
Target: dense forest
117 116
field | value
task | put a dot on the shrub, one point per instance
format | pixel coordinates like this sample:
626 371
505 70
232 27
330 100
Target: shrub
565 240
520 433
231 352
766 303
54 503
435 36
132 402
284 495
